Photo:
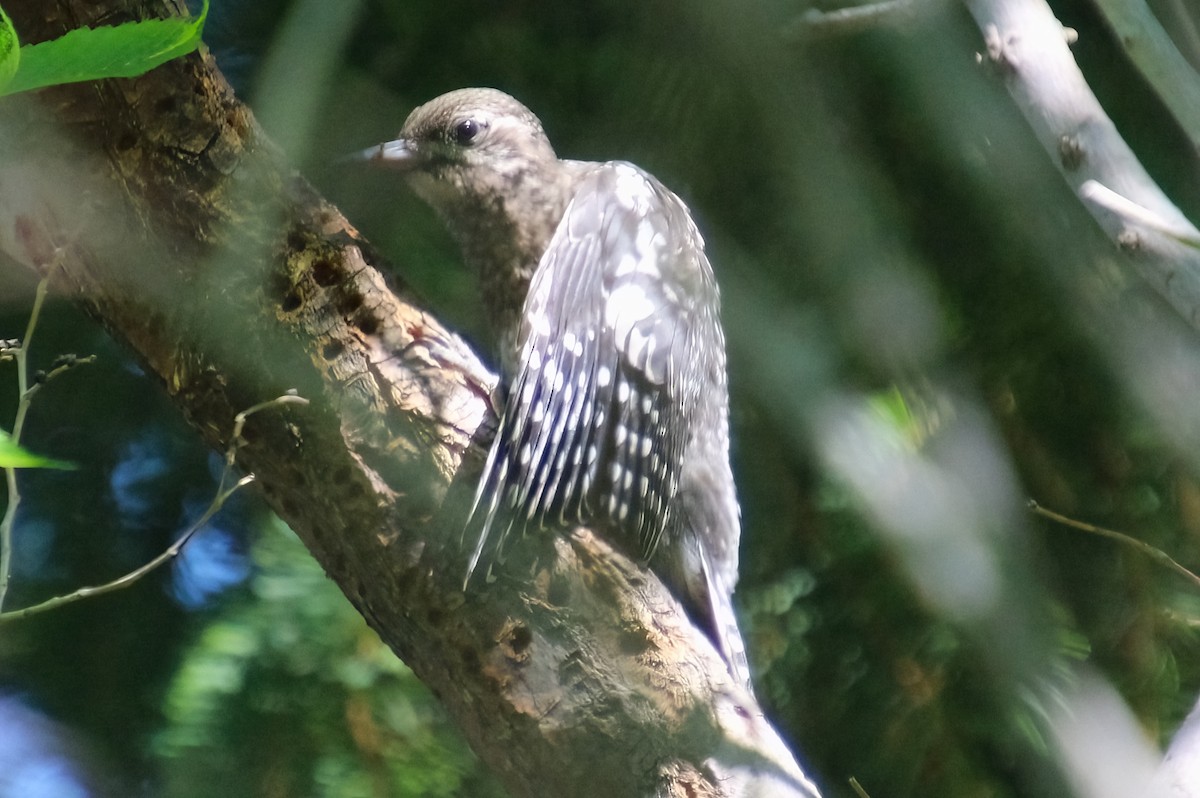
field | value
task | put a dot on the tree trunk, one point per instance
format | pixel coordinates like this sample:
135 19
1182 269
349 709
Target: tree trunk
158 204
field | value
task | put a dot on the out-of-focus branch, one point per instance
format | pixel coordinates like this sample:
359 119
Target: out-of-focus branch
815 22
1179 774
1028 48
1156 56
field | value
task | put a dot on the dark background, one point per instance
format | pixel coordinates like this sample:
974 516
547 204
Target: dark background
925 329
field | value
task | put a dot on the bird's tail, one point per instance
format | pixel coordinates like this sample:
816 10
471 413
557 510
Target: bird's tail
728 634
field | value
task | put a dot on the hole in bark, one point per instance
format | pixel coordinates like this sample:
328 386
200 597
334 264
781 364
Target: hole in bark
519 639
349 302
332 350
324 273
367 323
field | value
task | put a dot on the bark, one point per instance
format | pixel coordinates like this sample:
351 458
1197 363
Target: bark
158 204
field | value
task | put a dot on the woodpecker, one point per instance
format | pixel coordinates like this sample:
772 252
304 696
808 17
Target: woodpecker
606 314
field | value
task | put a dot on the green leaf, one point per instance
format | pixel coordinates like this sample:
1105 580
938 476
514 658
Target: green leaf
121 51
13 456
10 51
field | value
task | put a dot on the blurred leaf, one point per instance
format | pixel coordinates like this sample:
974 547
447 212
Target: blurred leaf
119 51
10 50
891 408
13 456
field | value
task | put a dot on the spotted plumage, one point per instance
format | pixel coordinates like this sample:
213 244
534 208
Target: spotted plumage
606 314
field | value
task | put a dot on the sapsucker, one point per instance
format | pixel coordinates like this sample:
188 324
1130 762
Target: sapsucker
606 314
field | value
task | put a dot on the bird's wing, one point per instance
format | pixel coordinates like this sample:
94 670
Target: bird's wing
612 341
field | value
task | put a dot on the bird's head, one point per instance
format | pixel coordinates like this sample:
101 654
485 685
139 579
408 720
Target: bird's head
467 147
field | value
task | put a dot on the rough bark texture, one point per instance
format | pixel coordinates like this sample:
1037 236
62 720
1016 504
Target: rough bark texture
158 204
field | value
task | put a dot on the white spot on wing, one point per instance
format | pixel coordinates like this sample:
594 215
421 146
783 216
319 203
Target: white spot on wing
626 306
540 323
649 238
635 344
628 264
631 187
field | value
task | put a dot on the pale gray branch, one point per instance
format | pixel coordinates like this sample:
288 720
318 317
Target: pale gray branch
1028 47
1157 57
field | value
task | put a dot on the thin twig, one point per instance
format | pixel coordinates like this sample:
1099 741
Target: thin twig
1130 211
1156 554
859 790
135 575
224 491
852 19
20 354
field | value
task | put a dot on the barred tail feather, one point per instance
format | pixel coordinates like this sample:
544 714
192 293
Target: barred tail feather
729 640
491 486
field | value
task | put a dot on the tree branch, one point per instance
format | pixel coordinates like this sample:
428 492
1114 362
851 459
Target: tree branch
174 221
1158 59
1028 47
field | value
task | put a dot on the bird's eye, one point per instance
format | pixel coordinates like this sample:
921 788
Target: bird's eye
466 131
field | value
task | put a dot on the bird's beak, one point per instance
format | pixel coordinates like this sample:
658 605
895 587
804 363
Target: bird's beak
398 154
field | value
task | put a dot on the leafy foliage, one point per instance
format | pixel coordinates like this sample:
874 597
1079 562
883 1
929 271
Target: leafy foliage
286 691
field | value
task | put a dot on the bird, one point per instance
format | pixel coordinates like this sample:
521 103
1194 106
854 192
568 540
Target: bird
606 316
